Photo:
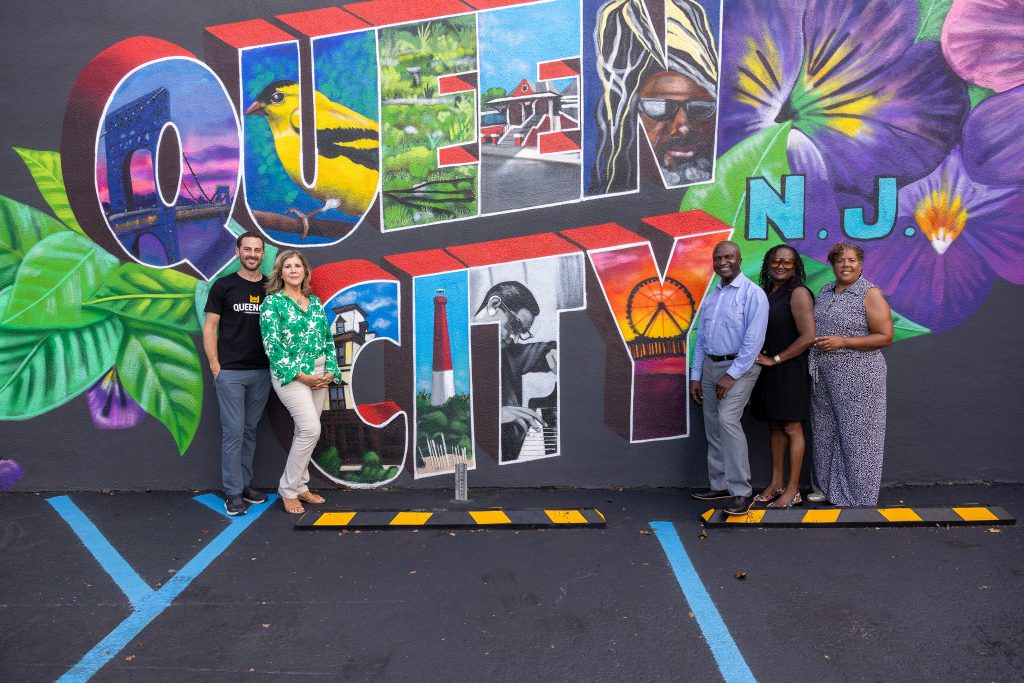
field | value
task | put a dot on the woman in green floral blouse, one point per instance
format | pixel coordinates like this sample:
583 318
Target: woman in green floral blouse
303 363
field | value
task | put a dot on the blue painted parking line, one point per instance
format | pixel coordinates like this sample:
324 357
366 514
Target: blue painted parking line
147 604
727 655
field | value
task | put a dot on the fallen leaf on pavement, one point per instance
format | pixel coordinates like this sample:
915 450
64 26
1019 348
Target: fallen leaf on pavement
741 575
702 535
645 532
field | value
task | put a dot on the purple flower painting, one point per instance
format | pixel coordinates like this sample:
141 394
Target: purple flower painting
10 473
859 93
960 227
110 405
983 41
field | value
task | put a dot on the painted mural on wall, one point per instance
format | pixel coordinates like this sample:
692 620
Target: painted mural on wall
896 124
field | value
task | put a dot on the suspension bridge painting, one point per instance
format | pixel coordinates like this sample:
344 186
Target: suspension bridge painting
164 202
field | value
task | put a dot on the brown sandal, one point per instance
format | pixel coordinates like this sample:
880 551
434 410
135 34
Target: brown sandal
312 498
292 506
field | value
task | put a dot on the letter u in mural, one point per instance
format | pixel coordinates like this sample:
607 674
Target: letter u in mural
311 158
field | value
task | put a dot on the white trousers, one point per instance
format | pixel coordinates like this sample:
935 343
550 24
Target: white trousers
305 405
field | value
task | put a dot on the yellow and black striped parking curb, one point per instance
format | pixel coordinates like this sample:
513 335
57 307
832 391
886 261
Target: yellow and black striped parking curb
491 518
861 516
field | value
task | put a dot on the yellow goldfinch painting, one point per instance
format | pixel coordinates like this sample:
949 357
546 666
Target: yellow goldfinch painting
347 147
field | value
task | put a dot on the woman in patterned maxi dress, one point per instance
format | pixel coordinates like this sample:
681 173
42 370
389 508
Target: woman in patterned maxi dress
853 322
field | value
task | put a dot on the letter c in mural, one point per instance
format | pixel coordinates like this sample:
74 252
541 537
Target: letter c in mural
362 445
151 156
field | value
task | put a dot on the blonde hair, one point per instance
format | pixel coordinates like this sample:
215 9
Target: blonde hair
276 283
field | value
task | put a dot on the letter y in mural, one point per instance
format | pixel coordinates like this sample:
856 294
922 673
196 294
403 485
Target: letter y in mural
652 312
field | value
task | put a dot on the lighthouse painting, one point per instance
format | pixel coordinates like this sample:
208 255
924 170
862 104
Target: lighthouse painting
444 434
442 385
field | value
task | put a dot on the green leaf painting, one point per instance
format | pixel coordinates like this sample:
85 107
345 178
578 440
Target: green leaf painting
44 369
764 155
21 226
160 370
978 94
931 16
57 276
159 296
46 170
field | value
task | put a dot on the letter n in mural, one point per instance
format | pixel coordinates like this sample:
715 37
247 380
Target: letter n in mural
440 356
518 288
652 314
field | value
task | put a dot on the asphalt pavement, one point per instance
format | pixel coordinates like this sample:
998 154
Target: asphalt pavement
163 587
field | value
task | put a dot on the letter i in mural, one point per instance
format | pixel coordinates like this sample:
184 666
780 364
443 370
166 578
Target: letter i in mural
430 155
529 117
157 127
652 313
362 445
650 66
518 289
311 158
440 355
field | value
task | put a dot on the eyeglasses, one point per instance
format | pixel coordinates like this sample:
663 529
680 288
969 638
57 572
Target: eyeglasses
515 325
665 110
784 263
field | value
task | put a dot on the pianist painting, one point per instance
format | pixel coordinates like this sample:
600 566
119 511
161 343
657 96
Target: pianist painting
528 426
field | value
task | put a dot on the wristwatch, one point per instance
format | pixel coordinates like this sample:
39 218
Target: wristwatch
776 359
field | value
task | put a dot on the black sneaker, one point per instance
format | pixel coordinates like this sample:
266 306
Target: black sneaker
253 496
709 494
739 505
234 505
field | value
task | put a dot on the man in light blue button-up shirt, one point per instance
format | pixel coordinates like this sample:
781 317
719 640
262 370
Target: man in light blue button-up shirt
734 317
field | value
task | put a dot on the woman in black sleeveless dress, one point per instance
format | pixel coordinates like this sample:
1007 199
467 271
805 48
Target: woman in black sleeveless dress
782 395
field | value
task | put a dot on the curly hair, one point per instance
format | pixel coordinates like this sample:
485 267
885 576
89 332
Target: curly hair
799 275
275 283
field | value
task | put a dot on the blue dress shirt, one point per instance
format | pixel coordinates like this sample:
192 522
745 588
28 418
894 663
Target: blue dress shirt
733 320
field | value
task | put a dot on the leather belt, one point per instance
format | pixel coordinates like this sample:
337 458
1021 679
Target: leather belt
719 359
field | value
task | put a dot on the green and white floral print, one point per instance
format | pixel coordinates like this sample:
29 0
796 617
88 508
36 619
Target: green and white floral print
294 339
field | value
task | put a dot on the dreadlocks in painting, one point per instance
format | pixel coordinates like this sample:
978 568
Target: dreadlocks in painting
669 86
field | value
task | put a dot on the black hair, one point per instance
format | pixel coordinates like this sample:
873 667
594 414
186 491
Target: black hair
838 249
250 233
514 295
799 275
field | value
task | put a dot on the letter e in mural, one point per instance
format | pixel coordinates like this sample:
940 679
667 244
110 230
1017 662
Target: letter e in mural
419 121
520 286
161 129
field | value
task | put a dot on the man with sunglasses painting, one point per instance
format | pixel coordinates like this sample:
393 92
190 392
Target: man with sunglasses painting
512 305
679 118
733 322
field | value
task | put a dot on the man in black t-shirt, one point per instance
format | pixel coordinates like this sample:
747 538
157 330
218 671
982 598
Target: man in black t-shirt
241 375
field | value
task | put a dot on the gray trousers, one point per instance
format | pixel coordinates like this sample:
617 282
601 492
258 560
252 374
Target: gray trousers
728 465
242 395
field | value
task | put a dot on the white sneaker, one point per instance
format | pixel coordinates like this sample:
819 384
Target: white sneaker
817 496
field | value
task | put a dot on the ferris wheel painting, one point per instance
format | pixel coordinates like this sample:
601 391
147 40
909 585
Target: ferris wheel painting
654 312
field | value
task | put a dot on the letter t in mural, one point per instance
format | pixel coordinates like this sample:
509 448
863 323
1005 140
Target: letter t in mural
518 288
